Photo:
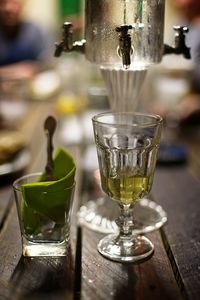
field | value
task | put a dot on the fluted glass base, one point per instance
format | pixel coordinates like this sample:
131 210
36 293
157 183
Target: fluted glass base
133 249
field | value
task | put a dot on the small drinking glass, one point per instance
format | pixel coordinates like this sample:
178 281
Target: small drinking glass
44 217
127 146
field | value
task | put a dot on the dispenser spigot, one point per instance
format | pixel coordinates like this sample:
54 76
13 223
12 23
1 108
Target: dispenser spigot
125 47
179 43
67 44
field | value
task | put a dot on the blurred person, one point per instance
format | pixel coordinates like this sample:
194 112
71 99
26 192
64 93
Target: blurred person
23 46
188 8
176 81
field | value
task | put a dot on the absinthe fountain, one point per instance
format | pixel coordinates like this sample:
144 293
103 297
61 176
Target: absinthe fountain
126 51
124 38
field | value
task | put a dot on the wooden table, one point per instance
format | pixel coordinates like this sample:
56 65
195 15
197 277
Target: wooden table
172 273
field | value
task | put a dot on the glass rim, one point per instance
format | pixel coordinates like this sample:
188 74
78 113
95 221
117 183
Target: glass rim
17 187
156 119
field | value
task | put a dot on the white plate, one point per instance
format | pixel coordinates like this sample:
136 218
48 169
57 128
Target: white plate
17 164
100 214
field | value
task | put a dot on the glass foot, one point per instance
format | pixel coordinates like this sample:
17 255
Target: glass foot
135 249
100 214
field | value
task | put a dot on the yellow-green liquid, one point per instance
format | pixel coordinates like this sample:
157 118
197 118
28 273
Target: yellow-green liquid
127 174
126 189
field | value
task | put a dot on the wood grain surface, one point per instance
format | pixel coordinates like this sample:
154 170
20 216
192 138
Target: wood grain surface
171 273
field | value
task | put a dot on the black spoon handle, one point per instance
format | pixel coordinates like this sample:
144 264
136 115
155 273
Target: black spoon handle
49 127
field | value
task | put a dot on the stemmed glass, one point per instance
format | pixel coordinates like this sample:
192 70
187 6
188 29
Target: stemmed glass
127 146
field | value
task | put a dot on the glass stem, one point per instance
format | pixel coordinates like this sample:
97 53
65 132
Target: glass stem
125 221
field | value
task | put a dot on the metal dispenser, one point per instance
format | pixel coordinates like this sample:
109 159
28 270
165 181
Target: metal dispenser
124 38
124 33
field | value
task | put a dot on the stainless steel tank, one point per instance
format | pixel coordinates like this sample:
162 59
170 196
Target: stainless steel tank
124 33
145 19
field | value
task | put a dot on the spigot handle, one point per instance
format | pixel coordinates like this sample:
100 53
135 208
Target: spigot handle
180 32
67 36
67 44
181 29
125 47
123 29
179 43
67 27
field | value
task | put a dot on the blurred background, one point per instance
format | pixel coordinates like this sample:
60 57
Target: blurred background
29 72
174 71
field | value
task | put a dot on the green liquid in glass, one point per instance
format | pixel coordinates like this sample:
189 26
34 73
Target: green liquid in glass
126 189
